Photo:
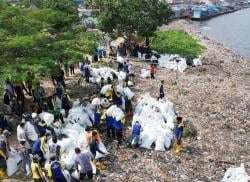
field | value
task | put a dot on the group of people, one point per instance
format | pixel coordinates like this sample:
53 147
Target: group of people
33 133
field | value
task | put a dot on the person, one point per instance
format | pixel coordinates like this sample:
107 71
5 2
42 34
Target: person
20 131
66 103
120 66
7 100
39 94
55 149
30 131
109 126
125 67
83 160
24 152
97 116
59 90
55 170
4 125
19 87
56 102
60 78
136 131
10 88
86 73
40 124
72 68
94 144
102 82
118 130
109 81
20 109
131 71
179 134
128 106
3 154
162 93
40 148
37 173
66 69
152 71
29 81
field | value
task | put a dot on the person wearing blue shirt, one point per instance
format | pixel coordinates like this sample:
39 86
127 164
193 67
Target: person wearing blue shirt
125 67
97 117
41 126
179 134
136 131
109 126
162 93
55 169
118 130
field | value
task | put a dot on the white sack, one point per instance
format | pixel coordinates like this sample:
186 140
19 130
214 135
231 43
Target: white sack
128 93
236 174
47 117
30 131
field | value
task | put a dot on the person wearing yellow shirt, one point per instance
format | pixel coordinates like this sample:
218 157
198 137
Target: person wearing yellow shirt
37 173
55 170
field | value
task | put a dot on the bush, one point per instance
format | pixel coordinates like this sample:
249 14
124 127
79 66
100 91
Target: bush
189 129
176 42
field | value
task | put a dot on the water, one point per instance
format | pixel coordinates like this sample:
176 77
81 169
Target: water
232 30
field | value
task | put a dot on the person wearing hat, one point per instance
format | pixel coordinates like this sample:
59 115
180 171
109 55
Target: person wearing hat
24 152
4 150
55 170
179 134
37 173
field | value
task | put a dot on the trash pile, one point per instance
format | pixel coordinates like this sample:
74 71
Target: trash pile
236 174
175 62
105 72
157 120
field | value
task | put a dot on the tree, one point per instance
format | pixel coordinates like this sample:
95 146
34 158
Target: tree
38 39
176 42
126 17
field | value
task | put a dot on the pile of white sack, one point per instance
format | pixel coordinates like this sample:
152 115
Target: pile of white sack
157 120
236 174
166 61
105 72
78 119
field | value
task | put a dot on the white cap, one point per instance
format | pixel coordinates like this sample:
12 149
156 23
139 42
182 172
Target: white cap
34 115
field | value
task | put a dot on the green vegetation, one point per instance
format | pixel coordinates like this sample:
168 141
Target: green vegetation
189 129
40 35
176 42
126 17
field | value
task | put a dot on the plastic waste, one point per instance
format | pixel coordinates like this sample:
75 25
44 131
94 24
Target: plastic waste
236 174
47 117
128 93
157 120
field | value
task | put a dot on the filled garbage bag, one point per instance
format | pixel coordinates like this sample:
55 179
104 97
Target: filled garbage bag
157 120
47 117
236 174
